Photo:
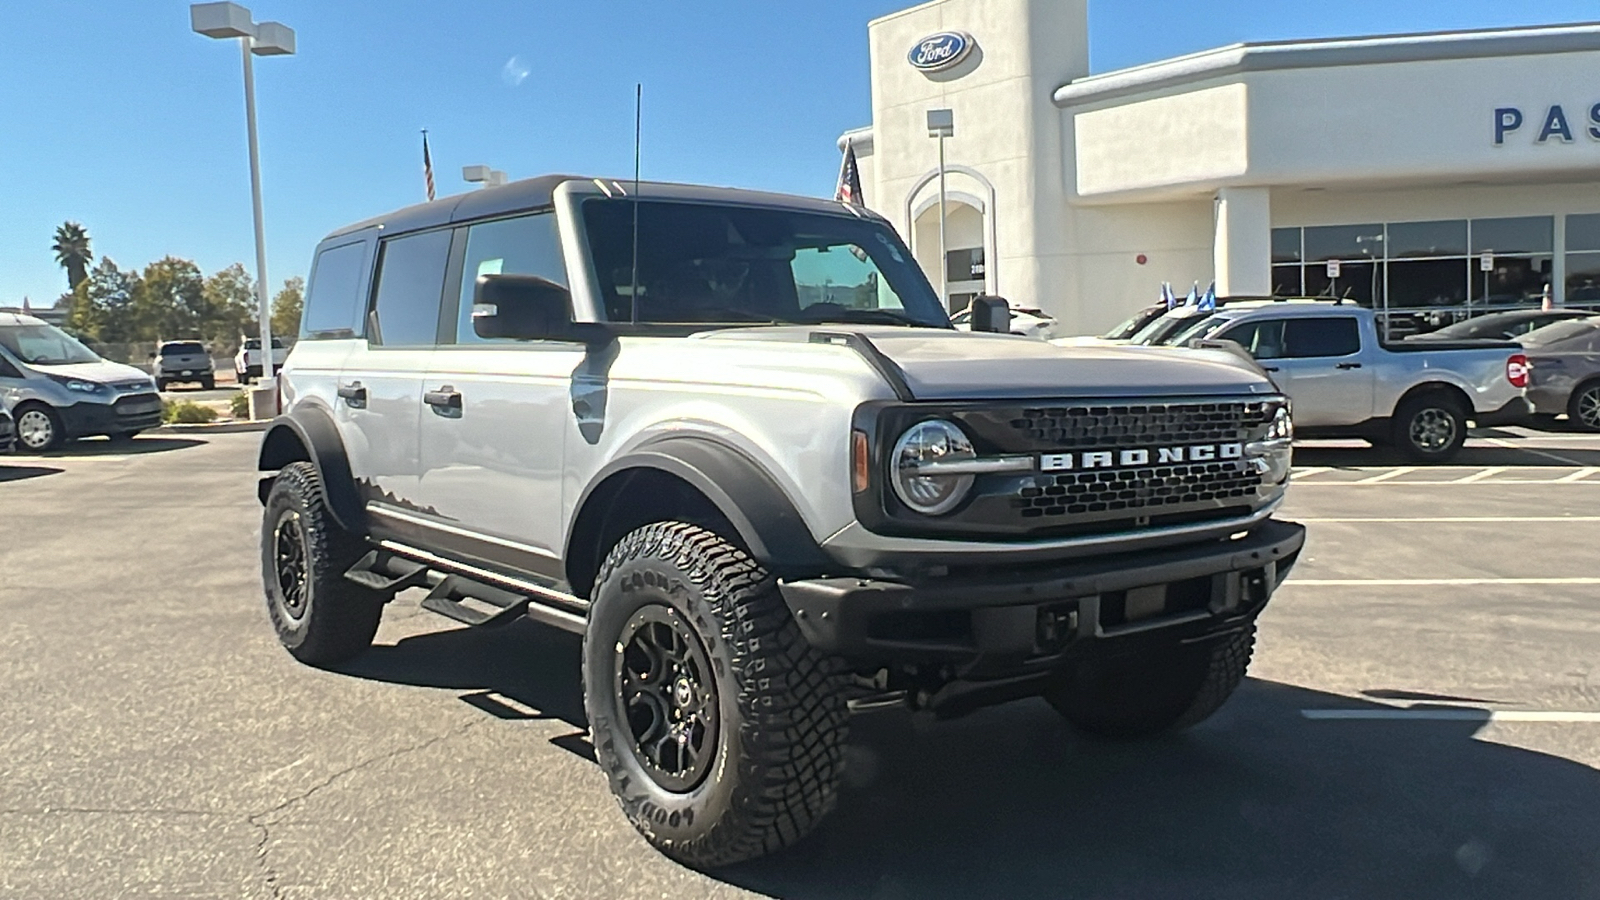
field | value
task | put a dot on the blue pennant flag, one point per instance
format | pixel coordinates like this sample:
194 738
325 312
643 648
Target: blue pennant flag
1208 303
1194 296
1168 298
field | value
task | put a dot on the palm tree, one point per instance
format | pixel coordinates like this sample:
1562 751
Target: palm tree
72 252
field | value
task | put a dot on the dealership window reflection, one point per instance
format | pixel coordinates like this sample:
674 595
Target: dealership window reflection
1583 261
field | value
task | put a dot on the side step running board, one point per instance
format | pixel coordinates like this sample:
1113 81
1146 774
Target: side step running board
473 603
381 570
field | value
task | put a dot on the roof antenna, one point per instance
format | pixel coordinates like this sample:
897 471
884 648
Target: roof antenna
638 127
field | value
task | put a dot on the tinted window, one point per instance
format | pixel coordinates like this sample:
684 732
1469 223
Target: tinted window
334 302
1583 232
181 349
1263 339
528 245
410 286
1333 336
1532 234
1428 239
1344 242
1285 245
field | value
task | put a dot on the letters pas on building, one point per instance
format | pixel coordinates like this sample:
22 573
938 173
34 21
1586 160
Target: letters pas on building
1435 172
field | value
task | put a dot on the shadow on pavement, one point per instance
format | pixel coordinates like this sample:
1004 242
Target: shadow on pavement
20 473
1474 454
135 446
1258 802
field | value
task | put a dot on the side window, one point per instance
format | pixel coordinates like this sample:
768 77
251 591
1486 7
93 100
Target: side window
410 288
333 301
1320 337
1263 340
7 370
528 245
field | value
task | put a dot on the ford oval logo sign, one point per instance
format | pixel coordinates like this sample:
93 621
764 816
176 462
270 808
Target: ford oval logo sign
942 51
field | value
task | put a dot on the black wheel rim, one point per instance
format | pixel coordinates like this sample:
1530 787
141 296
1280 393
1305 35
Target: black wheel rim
669 698
289 563
1433 429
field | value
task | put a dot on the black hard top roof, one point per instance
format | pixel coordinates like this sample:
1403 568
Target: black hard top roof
538 193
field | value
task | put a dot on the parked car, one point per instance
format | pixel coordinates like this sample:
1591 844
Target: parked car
182 361
1032 323
1136 323
630 413
8 431
1502 326
1344 381
247 362
58 390
1565 357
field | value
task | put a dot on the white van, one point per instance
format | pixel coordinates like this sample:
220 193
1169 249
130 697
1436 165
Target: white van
58 390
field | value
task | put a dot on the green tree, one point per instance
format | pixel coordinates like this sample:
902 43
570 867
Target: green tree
286 308
102 306
170 302
230 305
73 253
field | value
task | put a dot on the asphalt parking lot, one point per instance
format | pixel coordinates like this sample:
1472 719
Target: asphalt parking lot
1422 720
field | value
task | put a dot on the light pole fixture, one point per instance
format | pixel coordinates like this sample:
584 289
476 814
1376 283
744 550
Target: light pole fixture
941 125
230 20
483 175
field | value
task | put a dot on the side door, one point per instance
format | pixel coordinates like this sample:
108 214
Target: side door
1329 381
379 390
492 445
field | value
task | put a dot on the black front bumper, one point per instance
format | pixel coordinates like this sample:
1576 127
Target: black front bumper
136 412
1516 411
1036 616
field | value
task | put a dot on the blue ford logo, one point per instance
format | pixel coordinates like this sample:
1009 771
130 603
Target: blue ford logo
941 51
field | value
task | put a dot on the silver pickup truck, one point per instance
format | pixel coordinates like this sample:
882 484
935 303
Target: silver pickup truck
1344 381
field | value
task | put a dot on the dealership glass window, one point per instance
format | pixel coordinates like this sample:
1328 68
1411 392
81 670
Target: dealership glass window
1514 281
1425 240
1286 281
1530 234
1583 260
1427 282
1358 281
1341 242
1285 245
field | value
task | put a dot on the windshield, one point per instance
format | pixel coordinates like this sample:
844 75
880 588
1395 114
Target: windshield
44 345
184 349
1198 330
1561 331
700 263
1161 330
1134 324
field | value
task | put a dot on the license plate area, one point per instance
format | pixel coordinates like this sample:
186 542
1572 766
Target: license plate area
1118 608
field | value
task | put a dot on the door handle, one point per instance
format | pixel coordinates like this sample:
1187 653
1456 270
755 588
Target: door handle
1269 368
445 400
1348 366
354 395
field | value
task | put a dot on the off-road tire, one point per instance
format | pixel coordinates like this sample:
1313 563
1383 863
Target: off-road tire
1159 692
1441 408
780 706
336 618
1582 412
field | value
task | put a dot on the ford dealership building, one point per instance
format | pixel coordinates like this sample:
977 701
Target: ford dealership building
1449 170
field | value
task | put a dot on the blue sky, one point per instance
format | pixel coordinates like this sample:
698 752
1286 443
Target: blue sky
113 114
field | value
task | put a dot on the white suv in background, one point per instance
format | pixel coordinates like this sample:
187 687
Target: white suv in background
732 439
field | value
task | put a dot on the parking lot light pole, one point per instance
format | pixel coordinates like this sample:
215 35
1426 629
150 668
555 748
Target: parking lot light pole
942 124
230 20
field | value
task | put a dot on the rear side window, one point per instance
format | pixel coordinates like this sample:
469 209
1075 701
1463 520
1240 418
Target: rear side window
410 286
334 302
529 245
1262 339
1311 338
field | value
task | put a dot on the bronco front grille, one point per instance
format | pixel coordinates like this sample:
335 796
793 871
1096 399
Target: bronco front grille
1156 488
1139 425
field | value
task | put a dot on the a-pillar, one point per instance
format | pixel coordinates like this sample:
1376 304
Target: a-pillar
1242 248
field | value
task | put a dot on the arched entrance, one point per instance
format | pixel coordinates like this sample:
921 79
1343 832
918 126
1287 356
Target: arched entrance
969 264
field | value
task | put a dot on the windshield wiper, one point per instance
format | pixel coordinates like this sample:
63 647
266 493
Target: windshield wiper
860 316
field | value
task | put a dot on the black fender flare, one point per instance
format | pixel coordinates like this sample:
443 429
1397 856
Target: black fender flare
767 521
309 434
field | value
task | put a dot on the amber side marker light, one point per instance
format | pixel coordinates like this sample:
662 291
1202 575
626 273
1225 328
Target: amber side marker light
860 461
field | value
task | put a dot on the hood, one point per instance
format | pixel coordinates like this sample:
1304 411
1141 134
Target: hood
103 372
953 365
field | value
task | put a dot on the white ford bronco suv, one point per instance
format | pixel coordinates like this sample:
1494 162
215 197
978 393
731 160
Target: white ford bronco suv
732 439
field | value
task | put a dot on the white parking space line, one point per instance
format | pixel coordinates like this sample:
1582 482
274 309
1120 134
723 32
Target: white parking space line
1495 482
1579 475
1392 473
1431 582
1480 476
1450 715
1485 520
1511 446
1313 470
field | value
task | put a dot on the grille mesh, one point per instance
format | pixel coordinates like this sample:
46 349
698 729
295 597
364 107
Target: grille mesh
1072 427
1155 488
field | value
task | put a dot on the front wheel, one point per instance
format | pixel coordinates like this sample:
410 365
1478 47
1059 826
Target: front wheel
38 429
720 729
1583 410
1430 429
1155 692
321 617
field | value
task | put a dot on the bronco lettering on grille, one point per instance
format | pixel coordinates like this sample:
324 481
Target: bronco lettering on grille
1123 459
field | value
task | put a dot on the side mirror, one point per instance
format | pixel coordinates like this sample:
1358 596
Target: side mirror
527 308
991 314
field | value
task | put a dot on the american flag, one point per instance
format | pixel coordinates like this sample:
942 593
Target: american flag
427 164
849 190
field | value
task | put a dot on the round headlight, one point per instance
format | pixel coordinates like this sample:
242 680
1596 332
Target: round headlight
930 442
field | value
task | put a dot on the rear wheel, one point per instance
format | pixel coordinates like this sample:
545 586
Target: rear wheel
208 383
321 617
38 428
1430 428
1156 692
721 731
1583 409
